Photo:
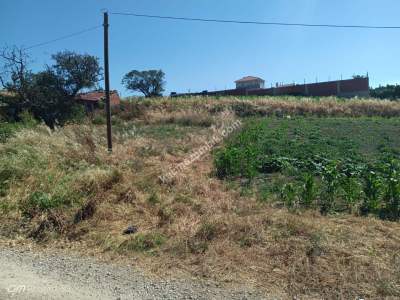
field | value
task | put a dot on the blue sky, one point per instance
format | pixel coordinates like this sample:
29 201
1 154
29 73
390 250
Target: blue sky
198 56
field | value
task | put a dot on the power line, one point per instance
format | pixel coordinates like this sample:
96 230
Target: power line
254 22
64 37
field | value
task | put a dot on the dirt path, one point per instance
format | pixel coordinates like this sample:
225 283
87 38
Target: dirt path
28 275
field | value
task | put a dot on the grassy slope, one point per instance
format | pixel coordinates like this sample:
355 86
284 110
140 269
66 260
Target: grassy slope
64 187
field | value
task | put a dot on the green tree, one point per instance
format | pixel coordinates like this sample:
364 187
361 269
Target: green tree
48 94
150 83
76 71
386 92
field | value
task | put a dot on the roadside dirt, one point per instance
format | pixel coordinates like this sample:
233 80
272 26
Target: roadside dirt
26 274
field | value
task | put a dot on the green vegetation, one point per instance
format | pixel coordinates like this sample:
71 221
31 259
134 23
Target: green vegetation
8 129
386 92
334 164
49 95
62 188
143 242
151 83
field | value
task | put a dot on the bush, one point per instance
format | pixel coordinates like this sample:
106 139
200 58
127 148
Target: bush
99 120
40 201
143 242
308 192
54 193
243 109
130 110
16 162
8 129
78 113
153 199
391 199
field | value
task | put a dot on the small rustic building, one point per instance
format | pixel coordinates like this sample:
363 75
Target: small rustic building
91 100
250 82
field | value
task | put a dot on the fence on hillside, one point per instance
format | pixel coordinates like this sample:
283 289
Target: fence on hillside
341 88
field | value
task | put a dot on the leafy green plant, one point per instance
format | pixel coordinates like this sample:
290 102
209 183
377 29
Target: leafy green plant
372 193
391 200
308 192
288 195
264 193
352 192
39 202
331 182
236 161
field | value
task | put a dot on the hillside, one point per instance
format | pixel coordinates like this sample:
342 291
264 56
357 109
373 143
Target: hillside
191 177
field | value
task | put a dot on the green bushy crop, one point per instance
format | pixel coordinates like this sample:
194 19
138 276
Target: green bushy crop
333 164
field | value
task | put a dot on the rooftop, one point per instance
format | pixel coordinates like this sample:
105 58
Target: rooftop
95 96
249 78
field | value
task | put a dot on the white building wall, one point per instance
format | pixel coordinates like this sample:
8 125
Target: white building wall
250 85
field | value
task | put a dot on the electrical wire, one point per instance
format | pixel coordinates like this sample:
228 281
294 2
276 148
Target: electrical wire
63 37
210 21
253 22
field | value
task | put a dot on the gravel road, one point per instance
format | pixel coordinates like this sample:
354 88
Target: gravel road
38 275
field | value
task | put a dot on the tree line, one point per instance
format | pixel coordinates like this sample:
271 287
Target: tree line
386 92
49 95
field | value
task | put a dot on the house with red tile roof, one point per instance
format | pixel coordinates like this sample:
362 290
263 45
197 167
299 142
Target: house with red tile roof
250 82
91 100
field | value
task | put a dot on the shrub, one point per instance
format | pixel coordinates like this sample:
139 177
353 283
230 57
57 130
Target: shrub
331 183
308 191
235 161
143 242
16 162
7 130
245 109
153 199
391 199
352 192
99 120
77 115
39 202
289 195
372 192
207 232
130 110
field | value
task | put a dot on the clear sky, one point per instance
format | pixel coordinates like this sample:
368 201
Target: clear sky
198 56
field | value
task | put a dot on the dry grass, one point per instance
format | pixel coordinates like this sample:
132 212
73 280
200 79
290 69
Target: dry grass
182 118
326 106
194 224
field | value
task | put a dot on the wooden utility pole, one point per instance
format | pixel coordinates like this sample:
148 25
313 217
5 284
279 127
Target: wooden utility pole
107 83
